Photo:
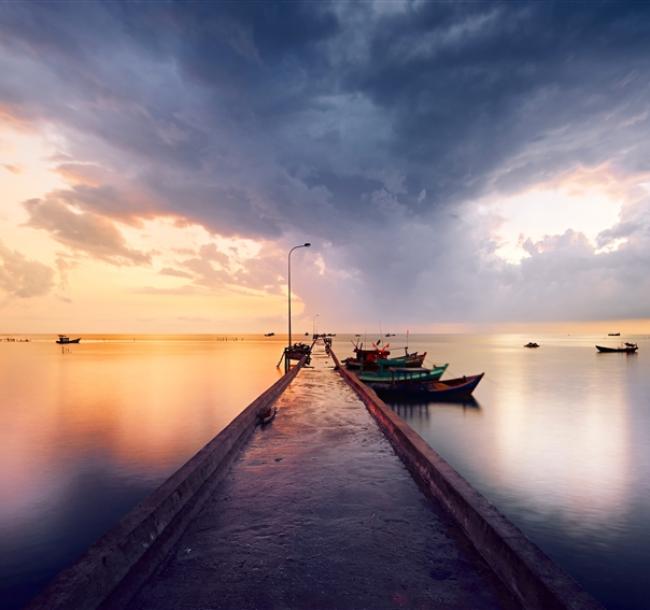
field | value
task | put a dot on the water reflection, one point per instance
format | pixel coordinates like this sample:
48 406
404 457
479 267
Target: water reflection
558 439
88 430
416 409
562 447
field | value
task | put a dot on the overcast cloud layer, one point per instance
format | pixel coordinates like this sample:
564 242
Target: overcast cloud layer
372 130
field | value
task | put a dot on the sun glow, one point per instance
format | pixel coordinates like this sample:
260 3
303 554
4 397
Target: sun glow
584 201
27 170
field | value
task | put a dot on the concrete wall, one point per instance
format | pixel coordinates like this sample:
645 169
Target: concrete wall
115 567
535 581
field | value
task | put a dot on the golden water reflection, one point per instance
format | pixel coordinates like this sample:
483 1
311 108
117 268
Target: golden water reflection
106 419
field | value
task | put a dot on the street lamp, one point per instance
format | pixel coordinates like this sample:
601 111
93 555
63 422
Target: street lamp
313 329
305 245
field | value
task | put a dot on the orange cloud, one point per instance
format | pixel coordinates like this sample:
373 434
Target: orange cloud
83 231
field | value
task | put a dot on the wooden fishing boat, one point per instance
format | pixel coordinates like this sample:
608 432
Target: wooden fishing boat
402 375
626 348
449 389
413 360
366 358
613 334
65 340
297 351
531 344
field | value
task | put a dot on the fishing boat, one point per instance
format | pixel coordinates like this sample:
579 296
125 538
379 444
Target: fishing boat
613 334
269 334
413 360
402 376
366 358
450 389
626 348
65 340
297 351
531 344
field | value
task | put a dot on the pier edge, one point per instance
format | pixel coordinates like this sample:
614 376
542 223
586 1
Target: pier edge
113 569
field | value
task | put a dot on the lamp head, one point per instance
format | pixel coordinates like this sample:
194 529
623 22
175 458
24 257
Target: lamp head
307 245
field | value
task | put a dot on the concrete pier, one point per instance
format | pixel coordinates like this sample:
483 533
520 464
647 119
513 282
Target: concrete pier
319 512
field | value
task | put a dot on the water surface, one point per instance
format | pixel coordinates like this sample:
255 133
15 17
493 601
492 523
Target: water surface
88 430
559 440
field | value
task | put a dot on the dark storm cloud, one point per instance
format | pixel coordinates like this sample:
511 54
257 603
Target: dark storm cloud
364 125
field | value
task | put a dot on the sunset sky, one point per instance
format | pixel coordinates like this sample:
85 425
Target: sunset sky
455 165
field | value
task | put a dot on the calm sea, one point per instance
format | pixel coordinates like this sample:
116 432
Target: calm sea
87 431
558 438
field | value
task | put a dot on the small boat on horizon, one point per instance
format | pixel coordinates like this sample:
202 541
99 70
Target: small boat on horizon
269 334
65 340
531 344
613 334
626 348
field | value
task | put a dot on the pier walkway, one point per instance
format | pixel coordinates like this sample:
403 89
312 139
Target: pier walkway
319 512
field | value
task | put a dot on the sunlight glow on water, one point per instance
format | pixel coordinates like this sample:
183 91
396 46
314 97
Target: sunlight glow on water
89 430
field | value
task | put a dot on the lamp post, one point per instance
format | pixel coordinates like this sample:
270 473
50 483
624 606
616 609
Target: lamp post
305 245
313 328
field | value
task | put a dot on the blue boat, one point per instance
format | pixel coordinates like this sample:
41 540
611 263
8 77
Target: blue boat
402 376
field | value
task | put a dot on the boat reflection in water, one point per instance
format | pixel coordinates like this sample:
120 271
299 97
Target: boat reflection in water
414 407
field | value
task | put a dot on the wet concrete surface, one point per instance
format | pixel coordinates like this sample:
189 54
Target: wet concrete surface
319 512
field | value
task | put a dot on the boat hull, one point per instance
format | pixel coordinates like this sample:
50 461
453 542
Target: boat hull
616 350
68 341
451 389
411 361
402 376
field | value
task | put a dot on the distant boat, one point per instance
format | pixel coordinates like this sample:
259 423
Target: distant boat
65 340
626 348
531 344
613 334
269 334
449 389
